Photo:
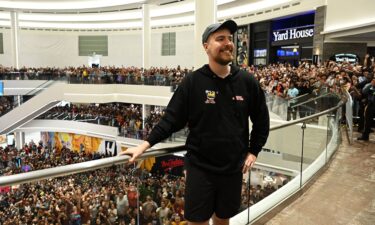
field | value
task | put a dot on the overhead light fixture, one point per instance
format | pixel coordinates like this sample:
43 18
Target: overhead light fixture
65 5
174 21
290 46
248 8
183 7
90 17
119 25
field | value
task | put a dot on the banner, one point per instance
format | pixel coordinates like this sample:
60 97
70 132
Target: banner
75 142
3 139
169 164
242 40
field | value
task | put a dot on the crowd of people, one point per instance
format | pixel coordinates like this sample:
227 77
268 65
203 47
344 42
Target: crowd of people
126 117
286 82
98 75
109 196
309 80
282 80
6 104
115 195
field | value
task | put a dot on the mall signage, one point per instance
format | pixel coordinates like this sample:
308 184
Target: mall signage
293 33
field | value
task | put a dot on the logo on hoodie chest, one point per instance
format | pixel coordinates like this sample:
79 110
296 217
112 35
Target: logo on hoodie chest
211 95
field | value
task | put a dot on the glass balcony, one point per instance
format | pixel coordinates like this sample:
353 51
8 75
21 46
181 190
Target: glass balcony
85 191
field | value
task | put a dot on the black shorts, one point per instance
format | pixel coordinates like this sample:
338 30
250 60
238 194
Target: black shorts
207 193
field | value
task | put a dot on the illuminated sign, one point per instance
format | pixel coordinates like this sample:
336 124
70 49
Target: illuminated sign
293 33
345 57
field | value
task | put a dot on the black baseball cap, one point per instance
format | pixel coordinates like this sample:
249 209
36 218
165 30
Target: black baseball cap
229 24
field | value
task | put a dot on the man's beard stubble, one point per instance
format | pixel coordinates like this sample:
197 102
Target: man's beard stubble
224 61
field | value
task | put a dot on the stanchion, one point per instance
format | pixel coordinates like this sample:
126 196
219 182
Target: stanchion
303 138
248 197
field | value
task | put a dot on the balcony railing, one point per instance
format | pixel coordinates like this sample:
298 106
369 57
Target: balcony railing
295 152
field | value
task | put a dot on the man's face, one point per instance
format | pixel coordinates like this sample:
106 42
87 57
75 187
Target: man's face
219 47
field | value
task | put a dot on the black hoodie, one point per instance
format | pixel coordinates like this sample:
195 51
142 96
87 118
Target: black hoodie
217 113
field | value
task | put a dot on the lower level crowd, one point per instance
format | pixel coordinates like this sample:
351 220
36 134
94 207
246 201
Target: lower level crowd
115 195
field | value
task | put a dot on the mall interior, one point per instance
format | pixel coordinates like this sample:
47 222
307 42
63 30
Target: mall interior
81 81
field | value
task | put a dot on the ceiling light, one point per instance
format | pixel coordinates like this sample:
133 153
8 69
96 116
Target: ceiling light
81 17
248 8
120 25
65 5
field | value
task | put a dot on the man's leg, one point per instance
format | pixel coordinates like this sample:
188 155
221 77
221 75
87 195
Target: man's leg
219 221
198 223
199 196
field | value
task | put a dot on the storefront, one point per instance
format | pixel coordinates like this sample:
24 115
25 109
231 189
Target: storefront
292 39
284 40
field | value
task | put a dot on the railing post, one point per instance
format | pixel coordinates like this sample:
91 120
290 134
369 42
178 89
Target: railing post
248 197
328 120
303 127
137 173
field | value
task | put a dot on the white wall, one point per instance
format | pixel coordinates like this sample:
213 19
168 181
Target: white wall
34 136
345 14
6 58
184 50
60 49
124 49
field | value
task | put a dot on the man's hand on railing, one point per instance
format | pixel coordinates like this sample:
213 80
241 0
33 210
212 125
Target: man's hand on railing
249 162
134 152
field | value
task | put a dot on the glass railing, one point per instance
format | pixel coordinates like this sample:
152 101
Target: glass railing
295 152
300 106
102 78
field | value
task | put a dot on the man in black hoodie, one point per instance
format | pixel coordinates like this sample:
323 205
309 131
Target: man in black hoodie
215 102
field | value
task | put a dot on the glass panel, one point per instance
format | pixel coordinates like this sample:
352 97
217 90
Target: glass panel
335 140
276 172
315 140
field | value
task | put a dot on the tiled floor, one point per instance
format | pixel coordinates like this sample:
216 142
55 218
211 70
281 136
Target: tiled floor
343 194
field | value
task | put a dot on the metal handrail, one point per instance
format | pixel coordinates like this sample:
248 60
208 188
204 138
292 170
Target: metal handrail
310 100
107 162
289 123
81 167
298 97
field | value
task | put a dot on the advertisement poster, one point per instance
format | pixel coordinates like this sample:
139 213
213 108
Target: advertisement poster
169 164
242 46
75 142
3 139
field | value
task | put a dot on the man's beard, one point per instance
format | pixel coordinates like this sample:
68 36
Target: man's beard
224 60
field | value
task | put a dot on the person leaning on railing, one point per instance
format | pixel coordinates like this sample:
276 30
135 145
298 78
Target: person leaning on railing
216 102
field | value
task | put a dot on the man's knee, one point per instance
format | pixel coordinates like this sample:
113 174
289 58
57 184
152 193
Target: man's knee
219 221
198 223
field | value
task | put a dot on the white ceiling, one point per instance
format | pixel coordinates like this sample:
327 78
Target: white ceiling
113 14
126 14
72 6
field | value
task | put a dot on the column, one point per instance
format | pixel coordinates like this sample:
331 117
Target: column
19 100
15 40
143 115
146 36
19 139
318 39
205 14
146 109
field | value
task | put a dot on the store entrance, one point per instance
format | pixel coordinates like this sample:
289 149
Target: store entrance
292 54
288 54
